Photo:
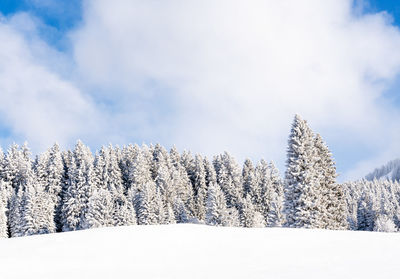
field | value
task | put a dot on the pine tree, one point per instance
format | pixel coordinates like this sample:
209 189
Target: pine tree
49 169
149 205
143 192
15 215
260 192
267 193
100 209
128 156
3 219
275 196
4 194
249 180
200 188
11 167
333 207
303 197
183 189
169 215
110 186
37 210
19 173
187 162
229 178
124 213
175 157
79 189
365 214
249 216
217 212
211 175
384 223
180 212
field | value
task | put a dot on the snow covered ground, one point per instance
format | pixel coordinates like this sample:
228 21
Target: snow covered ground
197 251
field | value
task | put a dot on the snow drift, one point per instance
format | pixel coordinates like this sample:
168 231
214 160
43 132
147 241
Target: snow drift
197 251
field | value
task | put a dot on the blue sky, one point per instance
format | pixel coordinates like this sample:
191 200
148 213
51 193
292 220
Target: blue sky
390 6
177 74
62 15
66 14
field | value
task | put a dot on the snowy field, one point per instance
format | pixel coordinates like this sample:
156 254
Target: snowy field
196 251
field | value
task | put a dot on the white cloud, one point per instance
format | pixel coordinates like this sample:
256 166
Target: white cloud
209 76
36 103
235 72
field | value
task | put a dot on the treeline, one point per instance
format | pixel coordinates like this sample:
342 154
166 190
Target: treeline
373 205
75 190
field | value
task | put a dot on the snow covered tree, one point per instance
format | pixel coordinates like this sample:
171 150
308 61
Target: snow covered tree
351 205
200 188
182 188
259 192
267 194
16 165
19 173
128 156
169 215
49 170
100 209
217 212
37 210
302 190
3 220
333 207
384 223
211 175
250 186
4 194
187 162
365 214
5 184
14 217
180 212
175 156
79 189
275 216
143 192
249 216
229 178
149 205
110 185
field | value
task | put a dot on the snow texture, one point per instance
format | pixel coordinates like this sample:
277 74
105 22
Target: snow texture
197 251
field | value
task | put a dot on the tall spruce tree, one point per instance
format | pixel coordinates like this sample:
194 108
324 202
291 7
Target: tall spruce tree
49 169
303 195
229 178
333 206
110 190
143 192
81 184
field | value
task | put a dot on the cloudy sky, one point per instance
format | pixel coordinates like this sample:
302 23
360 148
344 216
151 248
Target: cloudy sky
204 75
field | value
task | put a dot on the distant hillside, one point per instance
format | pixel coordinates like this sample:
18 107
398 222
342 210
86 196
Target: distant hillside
389 171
